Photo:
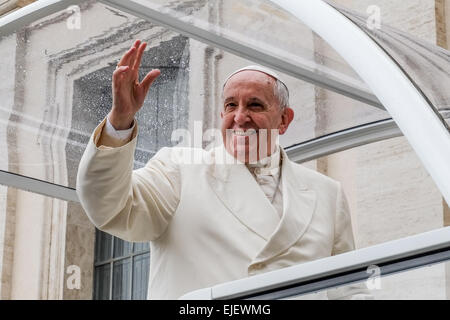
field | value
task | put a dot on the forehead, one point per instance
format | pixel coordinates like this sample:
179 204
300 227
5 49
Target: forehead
250 80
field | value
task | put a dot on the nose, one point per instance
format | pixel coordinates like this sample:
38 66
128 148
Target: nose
241 116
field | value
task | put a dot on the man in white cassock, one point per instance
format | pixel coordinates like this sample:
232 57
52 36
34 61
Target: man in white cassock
243 210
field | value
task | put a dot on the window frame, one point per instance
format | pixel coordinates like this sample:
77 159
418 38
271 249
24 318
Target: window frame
42 8
110 261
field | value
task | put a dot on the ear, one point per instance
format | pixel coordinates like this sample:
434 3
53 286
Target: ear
221 115
286 118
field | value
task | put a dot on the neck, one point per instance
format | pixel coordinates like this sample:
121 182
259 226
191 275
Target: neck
273 160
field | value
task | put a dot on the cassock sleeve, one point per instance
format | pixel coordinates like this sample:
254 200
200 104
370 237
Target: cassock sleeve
132 205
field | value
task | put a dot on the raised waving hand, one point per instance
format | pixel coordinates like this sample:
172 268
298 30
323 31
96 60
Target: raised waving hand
128 93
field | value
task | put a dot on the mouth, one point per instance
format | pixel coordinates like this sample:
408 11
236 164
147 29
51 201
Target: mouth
242 133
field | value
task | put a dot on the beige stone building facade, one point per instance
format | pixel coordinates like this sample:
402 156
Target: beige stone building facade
55 88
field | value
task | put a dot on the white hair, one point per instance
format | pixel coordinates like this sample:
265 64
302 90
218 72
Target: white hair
281 93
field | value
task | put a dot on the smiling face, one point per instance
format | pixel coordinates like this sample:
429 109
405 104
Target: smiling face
251 117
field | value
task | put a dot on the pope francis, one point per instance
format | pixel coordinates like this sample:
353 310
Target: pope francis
244 209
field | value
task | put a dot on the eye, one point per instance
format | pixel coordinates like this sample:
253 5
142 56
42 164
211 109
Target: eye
230 105
256 105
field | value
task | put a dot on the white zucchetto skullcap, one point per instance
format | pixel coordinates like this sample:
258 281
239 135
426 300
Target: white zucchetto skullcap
260 69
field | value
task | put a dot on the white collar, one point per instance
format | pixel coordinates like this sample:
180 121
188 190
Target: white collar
267 165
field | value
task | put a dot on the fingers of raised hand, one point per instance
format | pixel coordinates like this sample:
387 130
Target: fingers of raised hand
118 76
125 61
120 71
127 58
138 56
149 78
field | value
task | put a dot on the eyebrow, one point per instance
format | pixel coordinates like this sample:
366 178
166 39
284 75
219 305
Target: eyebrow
229 99
256 99
251 99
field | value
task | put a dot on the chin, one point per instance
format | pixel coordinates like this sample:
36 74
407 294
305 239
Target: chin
246 153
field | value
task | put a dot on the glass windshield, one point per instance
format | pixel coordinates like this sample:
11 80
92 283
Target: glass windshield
54 93
55 88
426 64
262 26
